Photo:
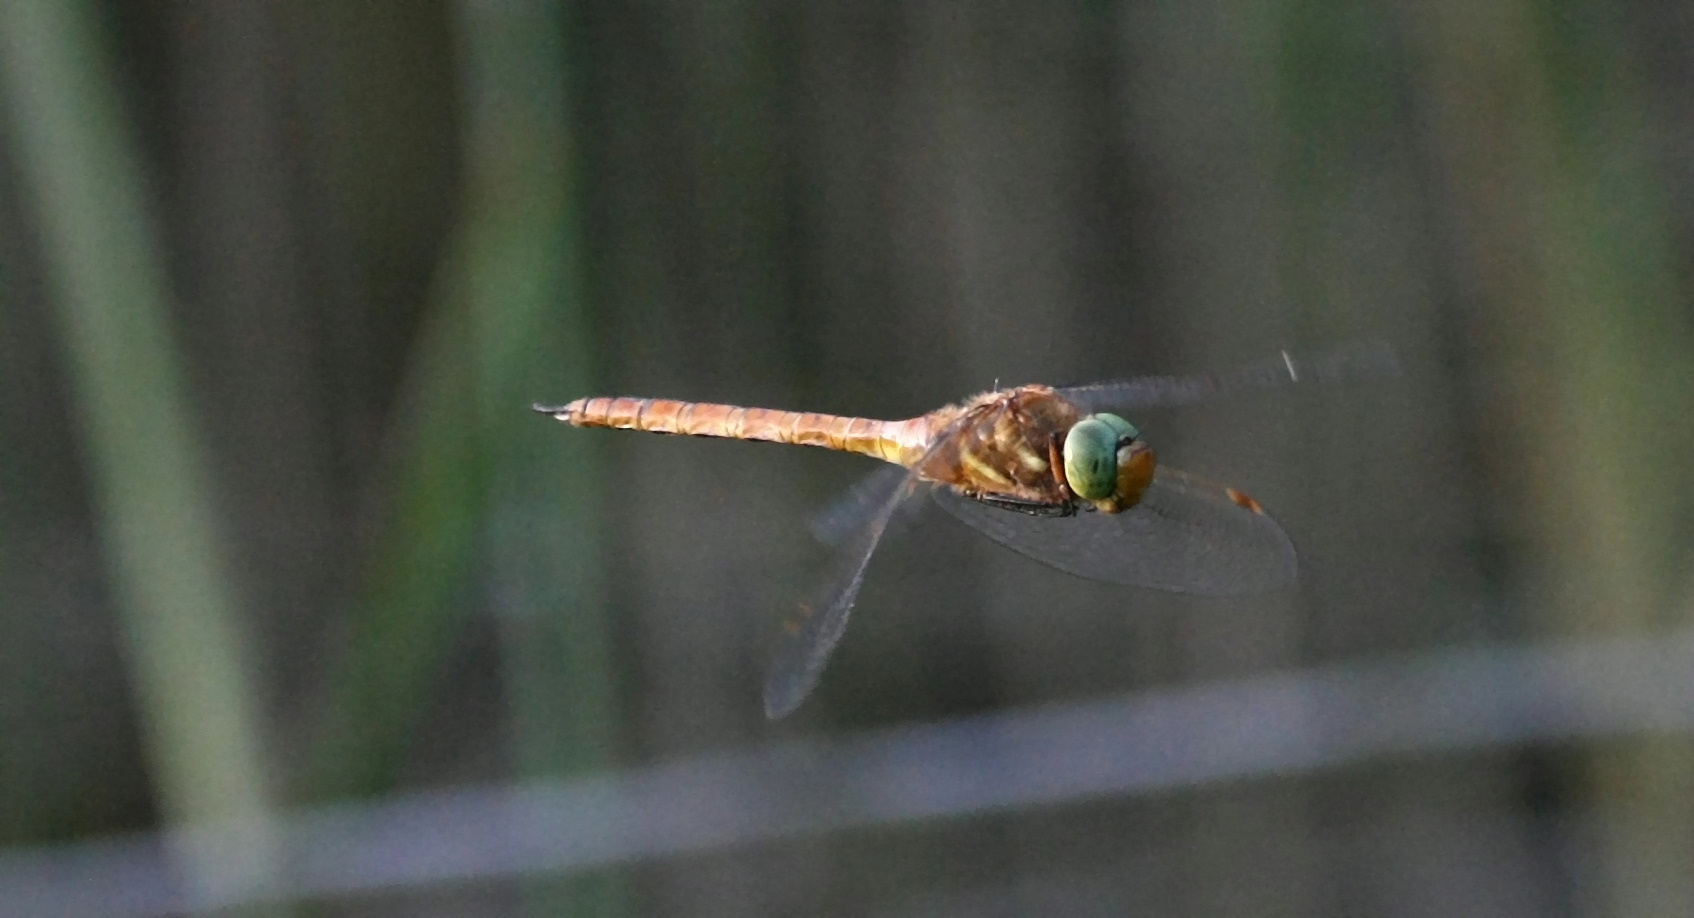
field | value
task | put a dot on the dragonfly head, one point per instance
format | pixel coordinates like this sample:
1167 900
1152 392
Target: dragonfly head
1106 463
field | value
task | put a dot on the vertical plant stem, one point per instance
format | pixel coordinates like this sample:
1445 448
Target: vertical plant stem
1542 134
523 282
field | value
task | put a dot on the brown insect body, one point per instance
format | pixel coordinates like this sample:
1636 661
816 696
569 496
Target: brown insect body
1133 478
1007 449
900 442
1005 443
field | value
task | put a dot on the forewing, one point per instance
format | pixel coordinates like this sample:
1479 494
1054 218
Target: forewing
1359 361
809 638
1187 535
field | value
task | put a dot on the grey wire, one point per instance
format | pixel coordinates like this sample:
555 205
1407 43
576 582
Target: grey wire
1302 721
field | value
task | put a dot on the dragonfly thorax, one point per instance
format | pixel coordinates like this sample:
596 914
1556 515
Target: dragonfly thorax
1032 446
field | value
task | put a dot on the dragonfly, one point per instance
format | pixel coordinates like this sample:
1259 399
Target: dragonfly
1055 473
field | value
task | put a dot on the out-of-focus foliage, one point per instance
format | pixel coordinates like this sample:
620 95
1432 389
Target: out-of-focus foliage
278 283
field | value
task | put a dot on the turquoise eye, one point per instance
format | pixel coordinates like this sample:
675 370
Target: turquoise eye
1091 454
1126 431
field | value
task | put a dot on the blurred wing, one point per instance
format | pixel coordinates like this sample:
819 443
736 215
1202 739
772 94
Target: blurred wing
1187 535
1361 361
855 508
810 637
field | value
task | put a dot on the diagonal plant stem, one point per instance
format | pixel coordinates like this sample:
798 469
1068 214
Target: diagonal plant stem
156 518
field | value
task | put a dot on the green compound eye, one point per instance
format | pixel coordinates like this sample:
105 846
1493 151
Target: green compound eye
1091 454
1126 431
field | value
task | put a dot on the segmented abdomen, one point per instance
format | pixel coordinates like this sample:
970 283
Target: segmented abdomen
894 441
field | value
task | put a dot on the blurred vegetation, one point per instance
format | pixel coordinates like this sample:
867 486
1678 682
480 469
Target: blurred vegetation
145 462
278 283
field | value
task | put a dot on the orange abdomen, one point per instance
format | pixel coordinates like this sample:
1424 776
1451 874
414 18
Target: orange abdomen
900 442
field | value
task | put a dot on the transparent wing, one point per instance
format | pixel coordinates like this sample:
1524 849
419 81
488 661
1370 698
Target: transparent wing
855 524
855 508
1187 535
809 638
1359 361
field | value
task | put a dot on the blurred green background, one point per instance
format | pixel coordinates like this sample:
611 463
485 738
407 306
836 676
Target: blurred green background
279 281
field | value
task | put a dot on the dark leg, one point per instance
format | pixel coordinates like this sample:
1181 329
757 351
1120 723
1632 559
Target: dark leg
1027 507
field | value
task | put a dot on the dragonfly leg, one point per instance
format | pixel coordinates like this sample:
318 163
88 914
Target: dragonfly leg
1021 505
1056 462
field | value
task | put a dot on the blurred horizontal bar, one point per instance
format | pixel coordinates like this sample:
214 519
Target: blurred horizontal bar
1302 721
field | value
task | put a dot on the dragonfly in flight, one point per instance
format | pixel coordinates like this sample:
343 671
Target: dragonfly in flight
1056 474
